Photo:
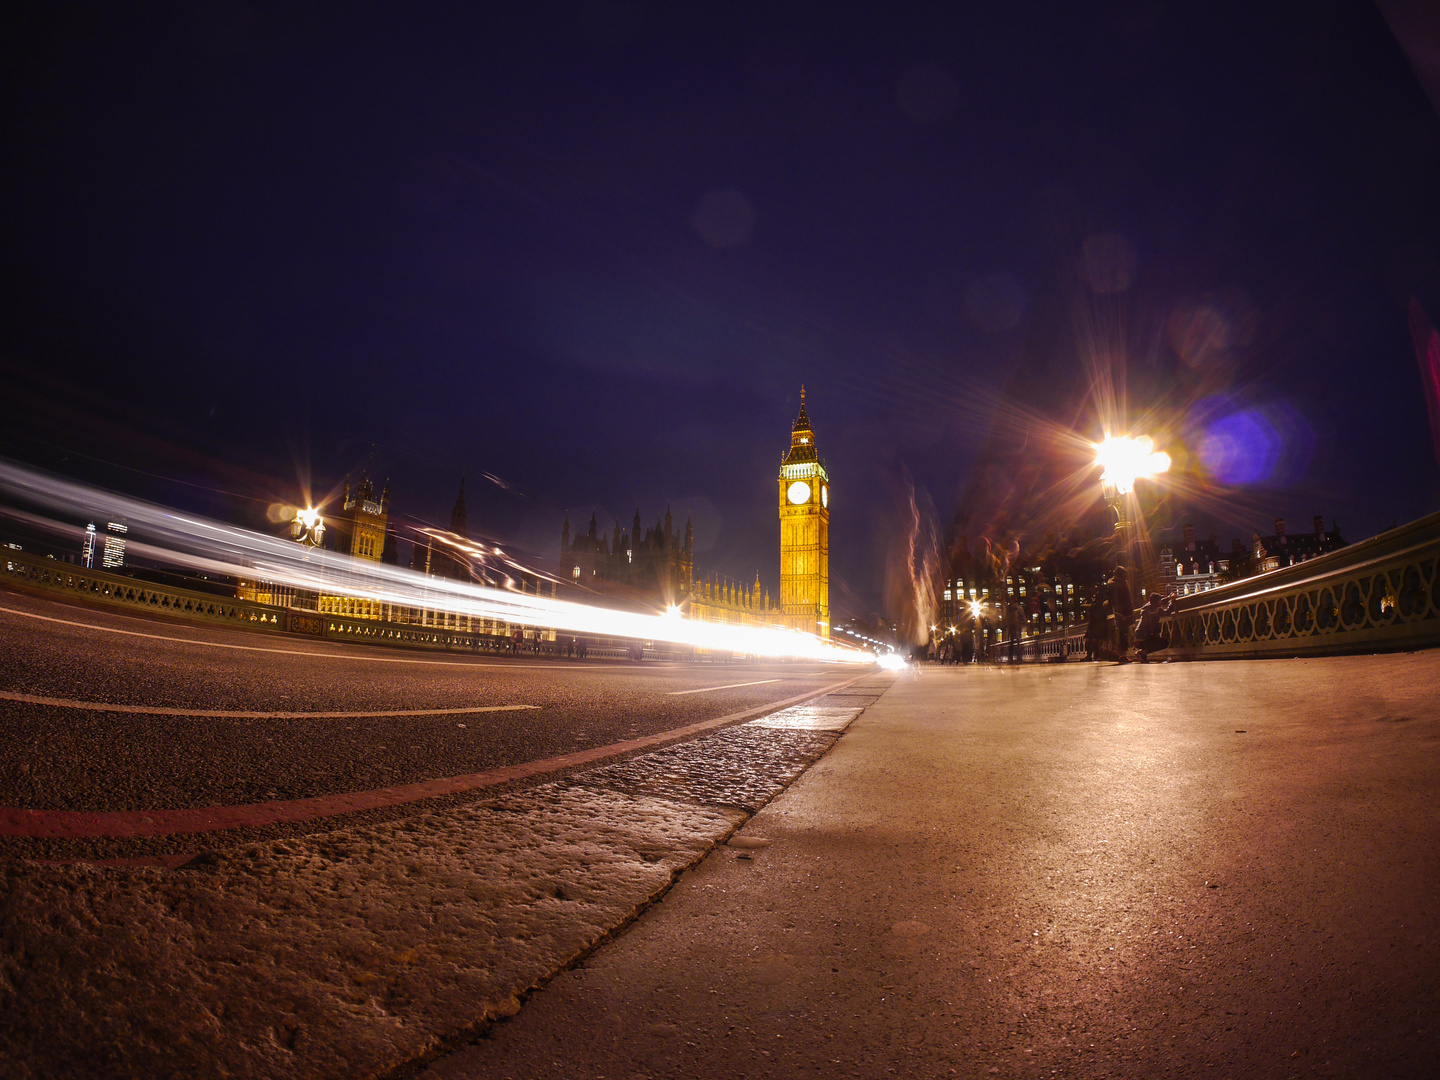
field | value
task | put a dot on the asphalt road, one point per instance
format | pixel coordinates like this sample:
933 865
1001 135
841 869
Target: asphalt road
1191 870
76 752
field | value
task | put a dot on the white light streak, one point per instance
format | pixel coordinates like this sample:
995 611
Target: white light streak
169 537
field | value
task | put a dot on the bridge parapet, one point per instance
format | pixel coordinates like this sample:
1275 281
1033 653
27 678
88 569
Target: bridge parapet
102 588
1381 594
117 590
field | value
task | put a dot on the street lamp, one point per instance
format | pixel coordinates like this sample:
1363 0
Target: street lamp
1126 460
308 527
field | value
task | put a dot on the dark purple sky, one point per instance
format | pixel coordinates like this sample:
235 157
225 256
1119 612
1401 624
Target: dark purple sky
594 249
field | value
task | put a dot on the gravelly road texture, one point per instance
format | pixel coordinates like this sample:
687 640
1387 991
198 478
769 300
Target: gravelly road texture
1204 870
352 947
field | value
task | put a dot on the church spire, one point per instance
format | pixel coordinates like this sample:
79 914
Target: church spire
457 515
802 437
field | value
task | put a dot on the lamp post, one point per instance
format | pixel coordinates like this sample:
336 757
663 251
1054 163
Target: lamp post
1126 460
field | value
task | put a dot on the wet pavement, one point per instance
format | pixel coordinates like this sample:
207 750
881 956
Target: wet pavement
1204 870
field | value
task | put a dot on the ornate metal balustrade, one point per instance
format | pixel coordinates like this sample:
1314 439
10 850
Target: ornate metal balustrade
117 590
1066 644
1380 594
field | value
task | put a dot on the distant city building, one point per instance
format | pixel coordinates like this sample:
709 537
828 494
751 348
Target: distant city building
113 551
656 565
87 547
359 531
1037 590
658 572
1283 548
359 527
1200 565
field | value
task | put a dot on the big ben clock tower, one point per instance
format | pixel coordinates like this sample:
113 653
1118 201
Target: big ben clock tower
804 532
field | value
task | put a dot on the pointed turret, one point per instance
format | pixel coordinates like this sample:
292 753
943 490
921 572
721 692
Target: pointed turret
565 534
669 527
689 534
385 498
802 437
457 515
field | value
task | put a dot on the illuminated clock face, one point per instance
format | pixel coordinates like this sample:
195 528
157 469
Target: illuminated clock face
825 495
798 492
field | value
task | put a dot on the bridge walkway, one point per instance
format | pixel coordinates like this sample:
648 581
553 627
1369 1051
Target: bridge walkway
1063 870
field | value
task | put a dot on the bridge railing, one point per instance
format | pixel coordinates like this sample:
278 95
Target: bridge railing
1382 594
108 589
1378 595
1056 646
117 590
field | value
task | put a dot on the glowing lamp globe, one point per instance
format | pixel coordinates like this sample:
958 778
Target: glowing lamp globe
1126 460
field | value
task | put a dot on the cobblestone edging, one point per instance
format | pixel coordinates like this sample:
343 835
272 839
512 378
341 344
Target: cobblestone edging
362 951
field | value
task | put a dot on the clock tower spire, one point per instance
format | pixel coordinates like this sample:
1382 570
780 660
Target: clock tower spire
804 531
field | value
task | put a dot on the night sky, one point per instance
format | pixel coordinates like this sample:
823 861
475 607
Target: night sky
593 251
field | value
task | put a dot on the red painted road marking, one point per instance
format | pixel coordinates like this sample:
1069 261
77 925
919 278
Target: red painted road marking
238 714
91 823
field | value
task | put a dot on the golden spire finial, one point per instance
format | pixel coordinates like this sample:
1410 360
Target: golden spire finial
802 395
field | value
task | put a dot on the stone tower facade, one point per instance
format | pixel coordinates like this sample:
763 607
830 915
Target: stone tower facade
360 525
804 532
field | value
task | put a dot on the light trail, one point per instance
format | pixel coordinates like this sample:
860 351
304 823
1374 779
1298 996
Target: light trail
171 537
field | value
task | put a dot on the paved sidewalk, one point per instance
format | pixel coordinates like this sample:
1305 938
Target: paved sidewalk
1189 870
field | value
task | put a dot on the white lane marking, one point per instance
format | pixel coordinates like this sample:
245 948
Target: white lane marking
239 714
727 686
336 655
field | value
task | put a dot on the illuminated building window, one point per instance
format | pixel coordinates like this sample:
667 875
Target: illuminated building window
113 555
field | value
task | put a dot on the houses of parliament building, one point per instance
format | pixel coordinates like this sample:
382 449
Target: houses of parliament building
641 568
655 566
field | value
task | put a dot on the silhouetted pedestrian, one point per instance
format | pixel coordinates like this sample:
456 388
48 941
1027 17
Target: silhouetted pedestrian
1123 609
1095 622
1148 637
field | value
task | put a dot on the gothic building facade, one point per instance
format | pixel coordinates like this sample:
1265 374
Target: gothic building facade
654 567
657 572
